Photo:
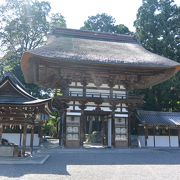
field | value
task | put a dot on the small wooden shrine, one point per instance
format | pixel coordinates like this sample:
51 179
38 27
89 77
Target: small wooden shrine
20 109
97 74
158 129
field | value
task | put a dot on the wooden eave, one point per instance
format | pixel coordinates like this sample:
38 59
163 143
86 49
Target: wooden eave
36 63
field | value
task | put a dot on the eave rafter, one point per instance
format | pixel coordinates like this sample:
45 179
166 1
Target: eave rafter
53 74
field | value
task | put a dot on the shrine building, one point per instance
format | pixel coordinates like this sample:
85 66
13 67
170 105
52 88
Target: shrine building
97 74
21 117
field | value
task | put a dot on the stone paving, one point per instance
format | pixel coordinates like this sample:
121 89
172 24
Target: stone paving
97 164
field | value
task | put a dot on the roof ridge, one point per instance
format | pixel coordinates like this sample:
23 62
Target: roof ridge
16 84
157 112
93 35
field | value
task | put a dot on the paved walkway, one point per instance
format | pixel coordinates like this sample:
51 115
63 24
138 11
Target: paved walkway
97 164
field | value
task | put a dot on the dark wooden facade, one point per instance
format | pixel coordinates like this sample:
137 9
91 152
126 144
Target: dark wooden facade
18 108
97 74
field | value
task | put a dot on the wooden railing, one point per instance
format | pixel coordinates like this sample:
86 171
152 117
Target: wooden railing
97 95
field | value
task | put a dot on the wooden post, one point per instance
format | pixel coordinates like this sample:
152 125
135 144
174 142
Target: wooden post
31 140
82 134
24 139
64 127
179 136
20 138
103 129
154 132
40 132
82 119
169 136
1 131
146 135
109 132
84 83
113 124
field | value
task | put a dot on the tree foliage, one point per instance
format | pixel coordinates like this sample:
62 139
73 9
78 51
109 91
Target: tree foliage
104 23
157 28
58 21
24 26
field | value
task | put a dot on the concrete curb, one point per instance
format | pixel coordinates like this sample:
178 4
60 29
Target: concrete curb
28 160
108 151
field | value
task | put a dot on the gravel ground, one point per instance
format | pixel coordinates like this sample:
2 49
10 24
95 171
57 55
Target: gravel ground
100 164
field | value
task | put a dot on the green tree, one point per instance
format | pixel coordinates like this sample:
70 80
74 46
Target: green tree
24 26
104 23
121 29
58 21
157 28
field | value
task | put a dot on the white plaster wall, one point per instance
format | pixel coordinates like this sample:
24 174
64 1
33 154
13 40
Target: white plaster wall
174 141
160 141
15 138
150 141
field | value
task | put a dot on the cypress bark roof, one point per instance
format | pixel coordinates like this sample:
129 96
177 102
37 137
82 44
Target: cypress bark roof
154 118
12 92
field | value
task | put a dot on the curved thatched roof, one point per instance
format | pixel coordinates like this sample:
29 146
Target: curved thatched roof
98 48
69 49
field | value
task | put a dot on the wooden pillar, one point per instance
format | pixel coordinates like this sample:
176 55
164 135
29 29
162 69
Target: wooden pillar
102 129
84 83
62 106
1 131
154 132
20 138
129 129
169 136
32 139
132 125
146 134
62 129
40 132
24 139
113 108
109 132
65 86
178 136
82 126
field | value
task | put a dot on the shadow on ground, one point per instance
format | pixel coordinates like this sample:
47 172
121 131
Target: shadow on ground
58 161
